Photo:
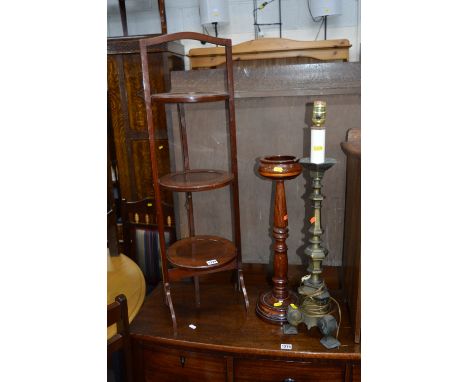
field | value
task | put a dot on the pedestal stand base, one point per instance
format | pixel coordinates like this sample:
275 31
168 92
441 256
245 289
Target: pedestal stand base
267 310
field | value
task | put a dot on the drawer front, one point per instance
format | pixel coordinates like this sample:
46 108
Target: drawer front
173 365
290 371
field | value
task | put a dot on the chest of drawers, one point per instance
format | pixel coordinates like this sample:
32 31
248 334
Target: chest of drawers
230 344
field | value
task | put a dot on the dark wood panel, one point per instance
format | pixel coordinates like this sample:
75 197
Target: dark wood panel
128 116
118 121
356 373
352 232
273 371
140 152
164 364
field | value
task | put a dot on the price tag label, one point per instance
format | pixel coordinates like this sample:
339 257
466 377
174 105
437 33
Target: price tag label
211 262
286 347
277 169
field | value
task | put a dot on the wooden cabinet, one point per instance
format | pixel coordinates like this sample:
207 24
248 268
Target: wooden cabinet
352 232
127 112
229 344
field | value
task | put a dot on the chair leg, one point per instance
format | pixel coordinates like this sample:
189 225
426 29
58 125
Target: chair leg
167 291
242 285
196 280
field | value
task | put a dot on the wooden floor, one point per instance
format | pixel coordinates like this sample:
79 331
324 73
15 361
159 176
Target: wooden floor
223 325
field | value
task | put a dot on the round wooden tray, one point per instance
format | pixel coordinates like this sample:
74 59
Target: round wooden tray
195 180
199 252
190 97
279 167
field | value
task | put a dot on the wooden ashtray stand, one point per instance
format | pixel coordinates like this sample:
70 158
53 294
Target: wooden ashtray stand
272 305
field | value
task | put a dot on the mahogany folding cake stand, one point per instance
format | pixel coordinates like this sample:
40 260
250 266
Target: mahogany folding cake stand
197 254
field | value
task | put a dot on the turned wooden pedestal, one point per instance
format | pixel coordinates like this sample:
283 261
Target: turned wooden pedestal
272 305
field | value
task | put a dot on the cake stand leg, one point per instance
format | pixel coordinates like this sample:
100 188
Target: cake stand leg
242 288
167 292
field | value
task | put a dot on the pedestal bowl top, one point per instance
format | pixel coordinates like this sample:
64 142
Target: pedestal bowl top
279 167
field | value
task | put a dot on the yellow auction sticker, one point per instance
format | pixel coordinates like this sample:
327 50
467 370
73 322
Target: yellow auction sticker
293 306
277 169
279 303
318 148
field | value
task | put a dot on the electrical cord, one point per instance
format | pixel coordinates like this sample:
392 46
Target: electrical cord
316 19
320 27
314 309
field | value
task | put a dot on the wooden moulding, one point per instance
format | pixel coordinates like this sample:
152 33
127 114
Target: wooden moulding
130 45
325 78
269 48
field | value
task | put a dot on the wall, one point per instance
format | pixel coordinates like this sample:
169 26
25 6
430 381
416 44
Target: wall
183 15
273 110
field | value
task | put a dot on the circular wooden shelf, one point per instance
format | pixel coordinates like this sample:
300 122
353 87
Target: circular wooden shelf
201 252
191 97
195 180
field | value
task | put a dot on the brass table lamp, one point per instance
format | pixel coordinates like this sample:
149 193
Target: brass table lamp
315 301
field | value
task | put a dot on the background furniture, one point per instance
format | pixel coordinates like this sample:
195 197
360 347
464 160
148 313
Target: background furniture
112 237
117 314
230 344
197 254
128 135
273 51
124 277
351 274
141 240
273 112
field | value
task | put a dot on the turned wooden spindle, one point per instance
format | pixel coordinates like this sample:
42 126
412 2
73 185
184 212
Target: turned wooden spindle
272 305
